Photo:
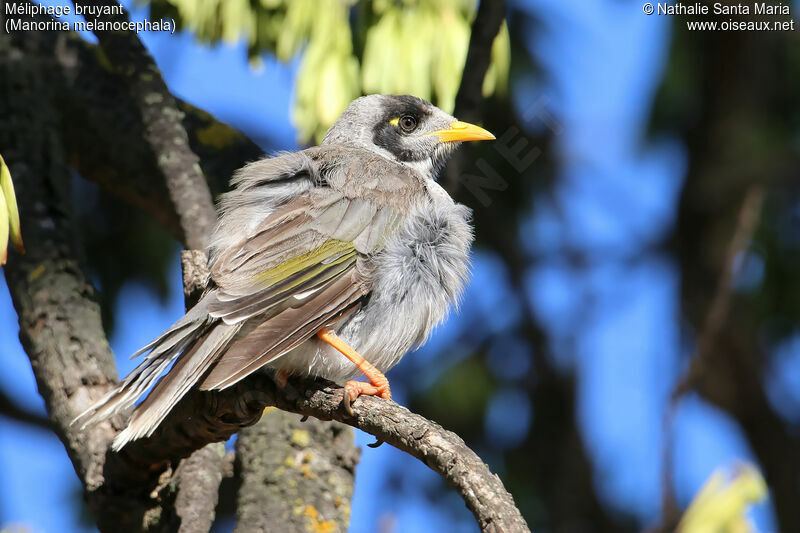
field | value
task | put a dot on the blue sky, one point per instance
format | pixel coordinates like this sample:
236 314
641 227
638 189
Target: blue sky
617 190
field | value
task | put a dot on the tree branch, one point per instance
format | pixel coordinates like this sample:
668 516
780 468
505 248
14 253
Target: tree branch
112 495
97 108
197 481
289 475
197 485
746 223
11 409
225 412
487 23
149 95
60 325
163 130
94 100
553 452
204 417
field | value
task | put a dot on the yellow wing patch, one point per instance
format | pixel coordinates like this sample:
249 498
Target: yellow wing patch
341 250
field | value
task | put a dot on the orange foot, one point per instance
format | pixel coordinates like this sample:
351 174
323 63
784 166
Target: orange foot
354 389
378 384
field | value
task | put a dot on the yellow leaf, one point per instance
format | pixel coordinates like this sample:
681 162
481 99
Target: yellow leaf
11 209
3 229
720 506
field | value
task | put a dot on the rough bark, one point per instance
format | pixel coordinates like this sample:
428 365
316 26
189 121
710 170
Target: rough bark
119 491
95 108
168 140
60 326
310 465
197 481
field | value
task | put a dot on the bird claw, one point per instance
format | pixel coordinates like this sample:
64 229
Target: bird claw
354 389
377 443
347 402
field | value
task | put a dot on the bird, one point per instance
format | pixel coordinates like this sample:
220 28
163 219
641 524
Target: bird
332 261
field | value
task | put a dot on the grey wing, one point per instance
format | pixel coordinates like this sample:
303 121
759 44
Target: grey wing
296 271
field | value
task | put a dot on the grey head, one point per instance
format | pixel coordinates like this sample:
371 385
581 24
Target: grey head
404 129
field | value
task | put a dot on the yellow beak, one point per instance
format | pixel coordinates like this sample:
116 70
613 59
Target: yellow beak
462 131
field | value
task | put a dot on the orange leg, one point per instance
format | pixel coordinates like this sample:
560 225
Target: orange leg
378 384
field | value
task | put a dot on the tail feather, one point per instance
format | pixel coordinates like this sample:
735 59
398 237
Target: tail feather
163 351
194 317
187 371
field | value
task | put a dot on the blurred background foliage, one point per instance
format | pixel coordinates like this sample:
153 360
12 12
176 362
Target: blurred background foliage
631 154
347 48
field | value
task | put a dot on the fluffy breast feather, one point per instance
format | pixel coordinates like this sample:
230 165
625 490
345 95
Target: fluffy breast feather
418 277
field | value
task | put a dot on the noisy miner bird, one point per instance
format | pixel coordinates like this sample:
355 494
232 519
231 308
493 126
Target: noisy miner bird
331 261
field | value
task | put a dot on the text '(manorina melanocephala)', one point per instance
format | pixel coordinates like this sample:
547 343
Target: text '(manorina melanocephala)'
332 261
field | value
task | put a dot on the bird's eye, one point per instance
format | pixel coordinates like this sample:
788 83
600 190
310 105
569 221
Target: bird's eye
408 123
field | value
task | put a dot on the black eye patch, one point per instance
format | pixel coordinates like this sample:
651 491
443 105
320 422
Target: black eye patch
400 106
401 116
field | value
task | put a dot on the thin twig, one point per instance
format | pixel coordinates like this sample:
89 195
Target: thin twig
747 221
746 224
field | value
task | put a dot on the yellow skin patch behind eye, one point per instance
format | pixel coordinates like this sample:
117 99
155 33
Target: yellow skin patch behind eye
395 121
